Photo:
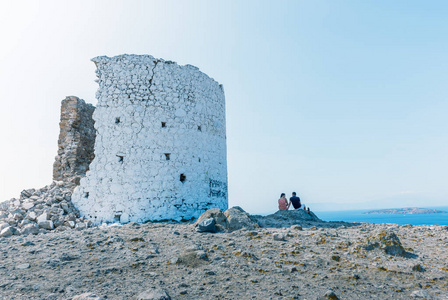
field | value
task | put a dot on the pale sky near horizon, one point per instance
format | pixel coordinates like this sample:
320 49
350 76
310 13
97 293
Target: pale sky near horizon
344 102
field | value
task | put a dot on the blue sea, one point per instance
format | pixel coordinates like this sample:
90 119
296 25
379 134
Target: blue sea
359 216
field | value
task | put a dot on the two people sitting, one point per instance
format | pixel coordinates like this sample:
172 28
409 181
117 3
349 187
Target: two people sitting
283 203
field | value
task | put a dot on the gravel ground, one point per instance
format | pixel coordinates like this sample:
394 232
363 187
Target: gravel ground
320 261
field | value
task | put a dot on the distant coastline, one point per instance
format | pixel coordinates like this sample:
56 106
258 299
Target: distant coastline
405 211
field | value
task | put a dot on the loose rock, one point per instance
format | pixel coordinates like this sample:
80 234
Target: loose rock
47 224
23 266
153 294
30 229
207 225
279 237
86 296
8 231
420 294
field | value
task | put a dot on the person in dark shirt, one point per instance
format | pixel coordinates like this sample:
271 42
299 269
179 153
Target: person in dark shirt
295 201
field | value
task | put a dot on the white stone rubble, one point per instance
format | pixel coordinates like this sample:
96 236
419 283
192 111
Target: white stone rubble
38 211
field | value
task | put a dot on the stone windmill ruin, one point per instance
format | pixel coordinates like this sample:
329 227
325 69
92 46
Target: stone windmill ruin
159 140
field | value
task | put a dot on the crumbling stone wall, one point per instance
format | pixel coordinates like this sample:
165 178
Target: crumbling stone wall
76 141
160 151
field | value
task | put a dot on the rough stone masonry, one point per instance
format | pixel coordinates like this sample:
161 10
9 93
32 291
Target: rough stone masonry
160 148
76 141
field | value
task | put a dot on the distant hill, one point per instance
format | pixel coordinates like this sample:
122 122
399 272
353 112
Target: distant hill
405 211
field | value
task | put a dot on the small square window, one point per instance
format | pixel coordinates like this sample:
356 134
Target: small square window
163 124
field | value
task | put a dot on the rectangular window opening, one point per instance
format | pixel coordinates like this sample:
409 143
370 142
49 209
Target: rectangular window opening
183 178
163 124
117 218
167 156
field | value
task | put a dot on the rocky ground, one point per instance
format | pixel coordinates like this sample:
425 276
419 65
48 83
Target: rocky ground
292 255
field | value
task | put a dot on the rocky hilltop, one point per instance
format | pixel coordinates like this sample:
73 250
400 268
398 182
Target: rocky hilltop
47 251
239 256
405 211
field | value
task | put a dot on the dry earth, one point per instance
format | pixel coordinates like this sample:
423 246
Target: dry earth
313 260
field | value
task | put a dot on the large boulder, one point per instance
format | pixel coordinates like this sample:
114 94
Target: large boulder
208 225
217 215
232 219
237 218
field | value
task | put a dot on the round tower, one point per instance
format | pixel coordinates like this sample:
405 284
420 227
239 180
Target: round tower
160 148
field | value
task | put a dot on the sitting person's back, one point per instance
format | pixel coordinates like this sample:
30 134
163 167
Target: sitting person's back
282 202
295 201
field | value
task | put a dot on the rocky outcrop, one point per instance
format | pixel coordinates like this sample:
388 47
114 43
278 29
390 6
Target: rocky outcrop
384 240
76 141
286 218
236 218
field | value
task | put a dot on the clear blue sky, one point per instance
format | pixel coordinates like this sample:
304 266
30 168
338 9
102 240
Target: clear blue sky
344 102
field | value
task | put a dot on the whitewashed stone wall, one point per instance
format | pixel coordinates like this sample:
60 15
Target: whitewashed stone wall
160 150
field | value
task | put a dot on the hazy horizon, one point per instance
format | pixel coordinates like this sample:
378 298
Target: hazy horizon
343 102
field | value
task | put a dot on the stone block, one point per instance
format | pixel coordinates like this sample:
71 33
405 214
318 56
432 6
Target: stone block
8 231
30 229
47 224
